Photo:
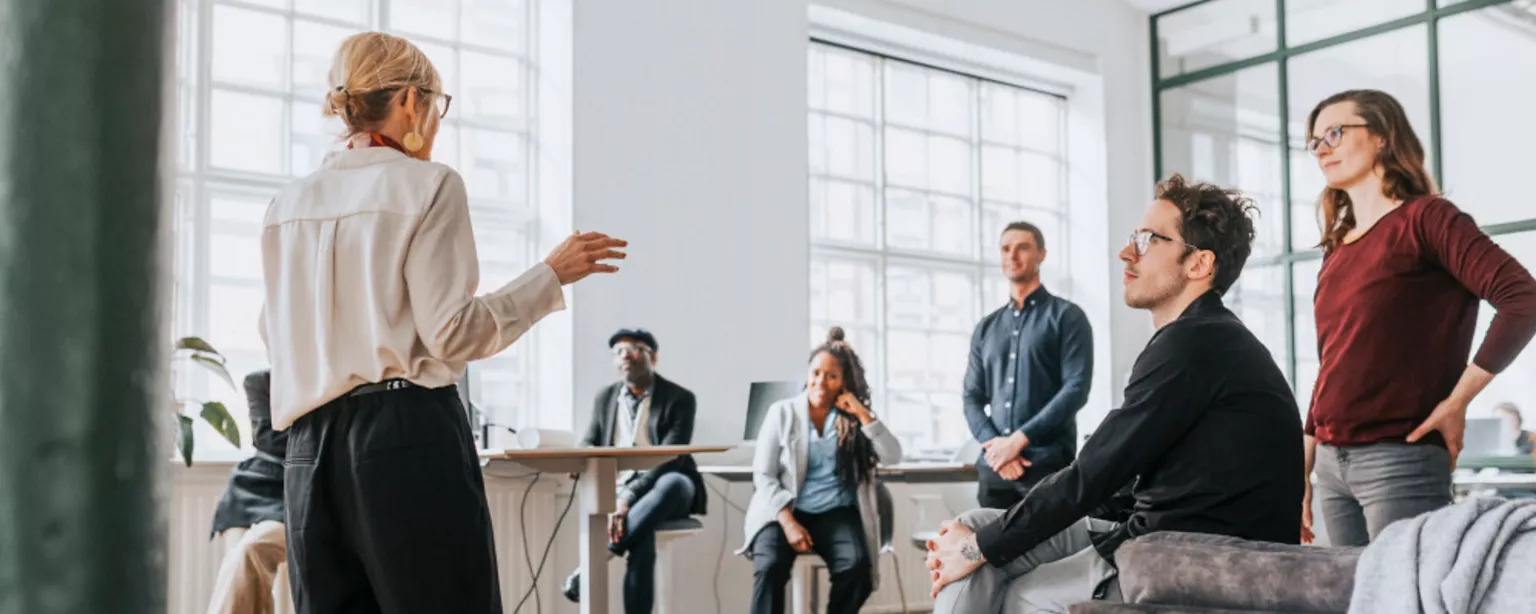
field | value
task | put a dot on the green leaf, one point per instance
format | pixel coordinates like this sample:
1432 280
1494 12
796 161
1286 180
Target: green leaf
184 438
218 417
217 367
195 344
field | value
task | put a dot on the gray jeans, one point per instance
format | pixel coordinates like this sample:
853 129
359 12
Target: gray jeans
1062 571
1360 490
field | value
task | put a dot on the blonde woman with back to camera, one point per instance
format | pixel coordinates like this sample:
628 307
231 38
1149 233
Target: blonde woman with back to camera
370 317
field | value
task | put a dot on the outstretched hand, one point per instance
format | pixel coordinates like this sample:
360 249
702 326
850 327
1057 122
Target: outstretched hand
580 255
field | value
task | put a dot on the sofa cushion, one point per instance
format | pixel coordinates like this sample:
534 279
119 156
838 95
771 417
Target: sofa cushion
1099 607
1214 571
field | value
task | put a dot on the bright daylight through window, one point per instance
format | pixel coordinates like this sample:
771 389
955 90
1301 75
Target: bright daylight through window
914 173
250 76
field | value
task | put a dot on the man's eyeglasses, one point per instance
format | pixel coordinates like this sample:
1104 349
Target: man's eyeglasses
1141 240
631 348
1332 136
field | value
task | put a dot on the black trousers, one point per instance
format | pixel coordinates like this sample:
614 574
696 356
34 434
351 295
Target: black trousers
838 537
993 491
386 509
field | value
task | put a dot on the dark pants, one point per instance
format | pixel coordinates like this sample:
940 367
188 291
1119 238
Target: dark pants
992 491
670 499
838 537
386 508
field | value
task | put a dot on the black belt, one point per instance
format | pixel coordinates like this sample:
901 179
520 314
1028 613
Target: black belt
384 386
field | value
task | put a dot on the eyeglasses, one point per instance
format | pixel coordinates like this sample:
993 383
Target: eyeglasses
630 348
1332 136
443 102
1141 240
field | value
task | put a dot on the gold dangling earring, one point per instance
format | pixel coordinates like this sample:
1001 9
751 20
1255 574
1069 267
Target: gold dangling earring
413 141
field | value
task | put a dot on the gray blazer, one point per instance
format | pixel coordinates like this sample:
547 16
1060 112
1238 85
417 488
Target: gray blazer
778 470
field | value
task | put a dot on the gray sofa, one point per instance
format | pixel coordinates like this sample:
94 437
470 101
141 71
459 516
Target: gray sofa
1193 573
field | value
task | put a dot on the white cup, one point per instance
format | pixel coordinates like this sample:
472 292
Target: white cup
536 438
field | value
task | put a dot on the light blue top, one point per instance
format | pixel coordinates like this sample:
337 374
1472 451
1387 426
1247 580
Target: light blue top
822 492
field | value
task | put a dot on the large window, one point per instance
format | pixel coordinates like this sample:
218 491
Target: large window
914 172
1236 83
250 77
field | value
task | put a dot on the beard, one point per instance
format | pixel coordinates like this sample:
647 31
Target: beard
1147 293
639 375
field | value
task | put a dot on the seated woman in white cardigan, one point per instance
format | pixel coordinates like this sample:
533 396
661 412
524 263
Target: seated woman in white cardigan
815 476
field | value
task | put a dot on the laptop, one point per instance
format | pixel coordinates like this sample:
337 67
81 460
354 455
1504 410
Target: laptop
1486 437
762 396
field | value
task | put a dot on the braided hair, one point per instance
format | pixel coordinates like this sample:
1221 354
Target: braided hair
856 457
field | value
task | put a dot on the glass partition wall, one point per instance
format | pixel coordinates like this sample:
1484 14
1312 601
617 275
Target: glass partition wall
1234 80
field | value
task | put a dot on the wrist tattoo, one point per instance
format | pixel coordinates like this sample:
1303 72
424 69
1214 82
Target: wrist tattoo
970 551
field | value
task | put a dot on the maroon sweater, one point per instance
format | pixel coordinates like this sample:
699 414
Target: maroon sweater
1396 311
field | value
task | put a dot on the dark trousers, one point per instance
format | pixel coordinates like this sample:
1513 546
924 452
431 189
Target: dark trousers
837 536
992 491
386 509
670 499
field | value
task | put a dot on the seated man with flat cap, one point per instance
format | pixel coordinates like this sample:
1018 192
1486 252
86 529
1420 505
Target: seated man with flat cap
643 409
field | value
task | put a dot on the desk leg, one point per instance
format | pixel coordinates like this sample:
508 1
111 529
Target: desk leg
597 494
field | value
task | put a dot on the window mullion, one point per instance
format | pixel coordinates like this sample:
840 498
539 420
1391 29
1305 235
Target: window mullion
930 263
882 285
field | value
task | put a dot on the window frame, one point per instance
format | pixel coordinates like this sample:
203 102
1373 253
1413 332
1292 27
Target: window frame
543 201
982 262
1291 259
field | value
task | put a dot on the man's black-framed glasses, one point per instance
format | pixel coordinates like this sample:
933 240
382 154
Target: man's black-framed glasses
1141 240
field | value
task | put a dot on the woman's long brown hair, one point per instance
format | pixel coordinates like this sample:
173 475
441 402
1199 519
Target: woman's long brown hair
856 457
1401 159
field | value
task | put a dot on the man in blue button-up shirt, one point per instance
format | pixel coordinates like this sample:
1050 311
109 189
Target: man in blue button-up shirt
1031 365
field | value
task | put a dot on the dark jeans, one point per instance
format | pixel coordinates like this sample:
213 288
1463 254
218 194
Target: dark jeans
386 509
838 537
992 491
670 499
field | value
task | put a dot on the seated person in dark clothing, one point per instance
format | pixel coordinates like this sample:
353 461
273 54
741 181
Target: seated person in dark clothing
643 409
1208 440
249 517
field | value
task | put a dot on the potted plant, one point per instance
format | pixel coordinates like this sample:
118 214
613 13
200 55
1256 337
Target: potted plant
200 352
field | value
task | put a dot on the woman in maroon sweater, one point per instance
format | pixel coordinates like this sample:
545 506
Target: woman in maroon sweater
1396 307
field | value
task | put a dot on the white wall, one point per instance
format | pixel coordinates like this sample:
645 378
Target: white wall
690 142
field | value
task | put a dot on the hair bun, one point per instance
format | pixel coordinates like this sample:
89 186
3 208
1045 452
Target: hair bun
835 335
336 102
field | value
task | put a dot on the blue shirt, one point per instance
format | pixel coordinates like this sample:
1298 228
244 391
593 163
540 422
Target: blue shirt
821 491
1032 365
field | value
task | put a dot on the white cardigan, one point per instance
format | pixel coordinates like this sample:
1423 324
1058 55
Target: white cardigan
778 471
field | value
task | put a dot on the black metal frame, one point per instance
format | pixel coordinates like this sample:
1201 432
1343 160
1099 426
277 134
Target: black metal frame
1288 257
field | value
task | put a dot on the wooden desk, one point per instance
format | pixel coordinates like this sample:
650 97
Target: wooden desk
599 469
910 473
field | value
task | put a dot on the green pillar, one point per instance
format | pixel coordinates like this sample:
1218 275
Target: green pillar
81 347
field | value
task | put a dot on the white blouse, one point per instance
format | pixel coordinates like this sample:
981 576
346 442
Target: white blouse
370 274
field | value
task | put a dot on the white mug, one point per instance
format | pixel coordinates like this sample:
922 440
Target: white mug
535 438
